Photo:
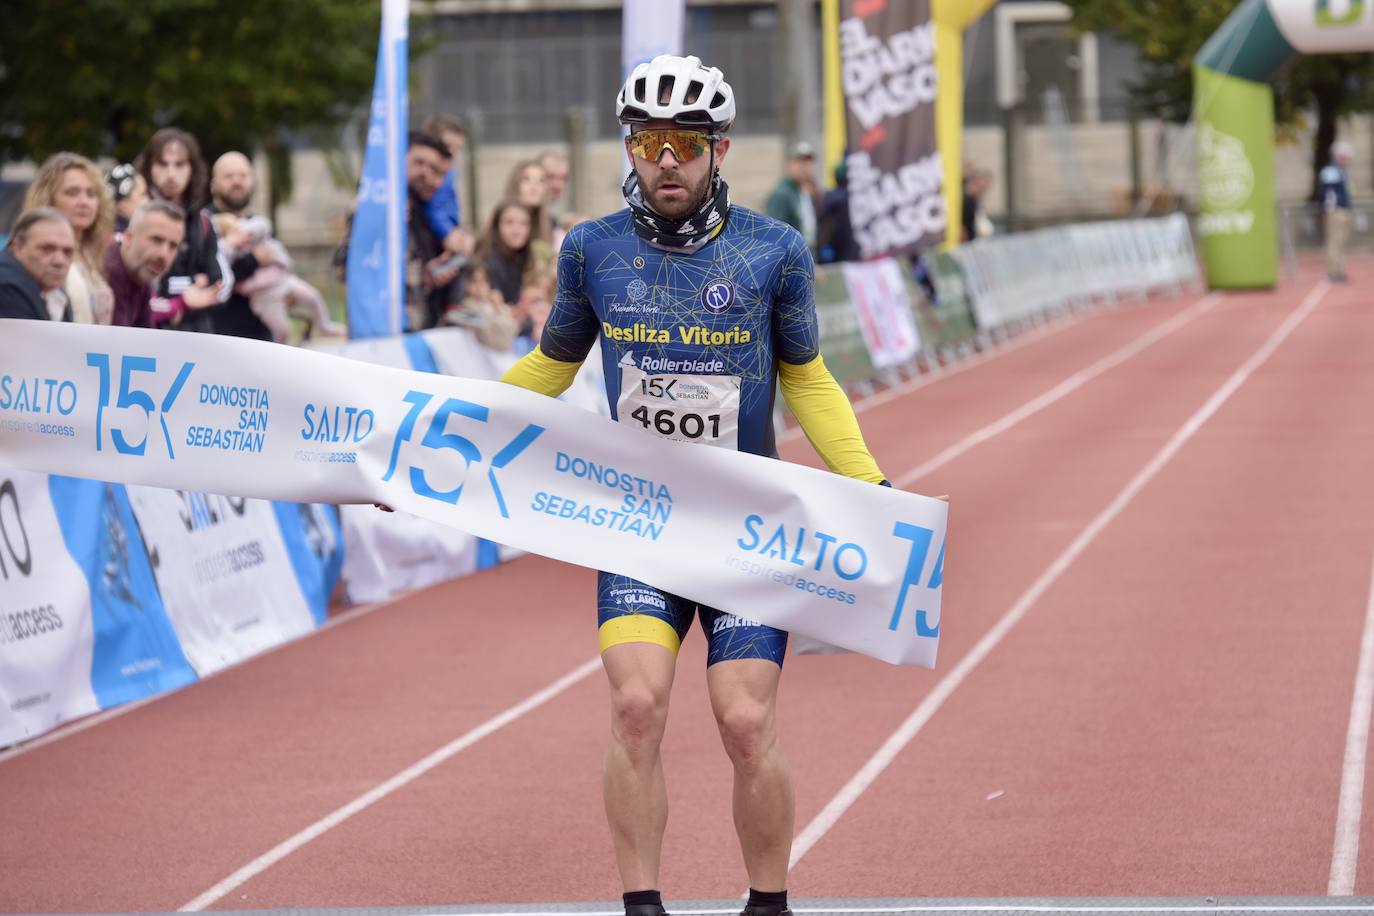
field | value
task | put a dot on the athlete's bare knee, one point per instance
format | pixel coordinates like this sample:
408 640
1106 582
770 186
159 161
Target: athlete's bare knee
747 731
638 717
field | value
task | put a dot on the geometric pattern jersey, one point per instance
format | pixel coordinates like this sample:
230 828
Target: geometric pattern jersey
731 309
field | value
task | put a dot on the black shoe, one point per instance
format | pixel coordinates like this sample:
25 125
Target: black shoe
646 909
765 911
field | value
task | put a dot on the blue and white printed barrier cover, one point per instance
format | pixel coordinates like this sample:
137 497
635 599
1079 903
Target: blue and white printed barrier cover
392 552
848 563
109 593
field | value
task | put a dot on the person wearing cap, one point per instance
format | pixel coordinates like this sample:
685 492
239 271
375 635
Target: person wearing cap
792 199
1335 198
703 310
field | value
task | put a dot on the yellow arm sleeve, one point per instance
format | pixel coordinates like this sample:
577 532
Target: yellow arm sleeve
827 418
542 373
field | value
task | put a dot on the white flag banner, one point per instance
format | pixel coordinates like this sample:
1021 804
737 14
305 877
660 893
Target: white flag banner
883 309
838 560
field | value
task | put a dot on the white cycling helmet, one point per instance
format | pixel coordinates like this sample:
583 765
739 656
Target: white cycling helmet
678 89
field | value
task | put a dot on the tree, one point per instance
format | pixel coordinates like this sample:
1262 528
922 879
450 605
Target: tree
1169 34
99 76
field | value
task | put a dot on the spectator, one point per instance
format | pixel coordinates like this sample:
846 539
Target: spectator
232 186
444 210
40 252
556 171
129 192
975 219
507 252
1335 195
137 258
792 199
536 301
483 312
835 232
195 283
528 184
274 293
430 271
73 185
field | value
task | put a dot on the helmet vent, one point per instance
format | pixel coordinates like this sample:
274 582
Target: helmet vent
640 90
665 89
693 92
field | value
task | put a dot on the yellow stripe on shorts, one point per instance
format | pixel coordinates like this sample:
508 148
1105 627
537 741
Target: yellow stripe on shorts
638 628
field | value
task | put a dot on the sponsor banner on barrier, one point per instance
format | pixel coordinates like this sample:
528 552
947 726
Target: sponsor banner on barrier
226 579
81 623
842 561
877 290
391 552
47 643
887 53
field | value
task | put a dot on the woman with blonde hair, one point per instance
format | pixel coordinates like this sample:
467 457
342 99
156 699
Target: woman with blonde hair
73 185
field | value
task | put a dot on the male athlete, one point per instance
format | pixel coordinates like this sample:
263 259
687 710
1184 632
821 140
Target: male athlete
703 309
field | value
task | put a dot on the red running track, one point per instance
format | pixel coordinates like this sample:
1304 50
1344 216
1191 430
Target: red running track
1166 717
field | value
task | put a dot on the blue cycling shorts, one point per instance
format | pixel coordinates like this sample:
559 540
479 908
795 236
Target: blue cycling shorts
627 611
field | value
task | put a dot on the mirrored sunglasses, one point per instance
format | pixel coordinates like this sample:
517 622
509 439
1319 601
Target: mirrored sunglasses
685 144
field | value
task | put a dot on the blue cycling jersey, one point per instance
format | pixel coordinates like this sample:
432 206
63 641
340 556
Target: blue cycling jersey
689 342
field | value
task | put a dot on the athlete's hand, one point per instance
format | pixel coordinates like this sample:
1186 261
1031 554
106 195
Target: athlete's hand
888 484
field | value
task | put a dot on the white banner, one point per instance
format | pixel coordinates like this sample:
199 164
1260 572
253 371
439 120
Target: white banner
47 642
884 311
392 552
82 626
223 572
839 560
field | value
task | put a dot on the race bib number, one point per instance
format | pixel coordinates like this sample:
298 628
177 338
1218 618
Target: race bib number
683 408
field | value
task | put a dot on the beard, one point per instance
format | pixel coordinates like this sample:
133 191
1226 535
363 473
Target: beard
675 209
235 202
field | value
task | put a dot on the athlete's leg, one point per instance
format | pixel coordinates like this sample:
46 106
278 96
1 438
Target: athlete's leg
744 696
641 678
640 630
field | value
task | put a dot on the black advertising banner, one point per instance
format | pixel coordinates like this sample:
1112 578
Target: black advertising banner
887 60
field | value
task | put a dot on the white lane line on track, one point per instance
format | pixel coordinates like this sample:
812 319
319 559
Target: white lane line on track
927 708
101 718
382 790
1060 391
1345 852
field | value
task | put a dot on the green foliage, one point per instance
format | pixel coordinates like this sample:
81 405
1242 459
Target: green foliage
1168 34
99 76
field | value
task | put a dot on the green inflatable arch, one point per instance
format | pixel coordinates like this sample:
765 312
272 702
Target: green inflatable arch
1234 107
